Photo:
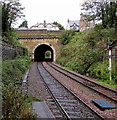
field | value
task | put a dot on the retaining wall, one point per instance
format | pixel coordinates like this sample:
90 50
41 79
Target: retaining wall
10 52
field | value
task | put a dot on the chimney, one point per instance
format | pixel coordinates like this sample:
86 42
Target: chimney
44 23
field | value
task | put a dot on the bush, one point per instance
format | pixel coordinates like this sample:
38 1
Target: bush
10 37
99 70
85 53
67 36
15 104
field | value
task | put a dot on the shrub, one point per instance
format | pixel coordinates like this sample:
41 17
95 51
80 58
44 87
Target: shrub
85 53
15 104
67 36
100 71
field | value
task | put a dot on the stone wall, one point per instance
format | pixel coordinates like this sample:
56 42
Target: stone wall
33 38
38 34
31 44
10 52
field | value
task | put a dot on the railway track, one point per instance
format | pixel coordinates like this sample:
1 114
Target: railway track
68 104
104 91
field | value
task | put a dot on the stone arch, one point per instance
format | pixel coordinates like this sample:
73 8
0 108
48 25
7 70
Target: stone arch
40 50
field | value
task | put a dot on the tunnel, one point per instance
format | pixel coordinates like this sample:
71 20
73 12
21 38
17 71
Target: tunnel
43 53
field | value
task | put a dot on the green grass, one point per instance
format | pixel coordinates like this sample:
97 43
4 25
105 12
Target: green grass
107 83
36 99
15 103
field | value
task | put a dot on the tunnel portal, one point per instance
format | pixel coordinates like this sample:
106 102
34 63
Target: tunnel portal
43 53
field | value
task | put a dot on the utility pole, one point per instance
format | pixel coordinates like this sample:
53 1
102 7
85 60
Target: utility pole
110 59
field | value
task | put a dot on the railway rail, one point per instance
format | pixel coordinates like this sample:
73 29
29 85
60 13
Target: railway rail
104 91
67 102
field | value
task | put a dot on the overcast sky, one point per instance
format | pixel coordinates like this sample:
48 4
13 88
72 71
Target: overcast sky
50 10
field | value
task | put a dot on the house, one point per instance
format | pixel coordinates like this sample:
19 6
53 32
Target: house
84 25
45 26
72 25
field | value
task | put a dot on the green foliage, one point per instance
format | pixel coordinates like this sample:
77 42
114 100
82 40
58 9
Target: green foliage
59 25
5 14
24 24
10 37
35 98
67 36
62 61
13 69
24 49
85 53
15 103
104 11
11 10
47 54
109 34
100 71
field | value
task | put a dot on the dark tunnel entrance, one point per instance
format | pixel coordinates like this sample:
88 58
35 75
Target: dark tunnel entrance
43 53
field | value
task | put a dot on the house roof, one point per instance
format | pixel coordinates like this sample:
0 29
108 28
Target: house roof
45 25
73 22
22 28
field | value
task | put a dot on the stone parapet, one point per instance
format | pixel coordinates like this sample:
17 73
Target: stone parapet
38 34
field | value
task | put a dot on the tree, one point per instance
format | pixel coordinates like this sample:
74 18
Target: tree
11 11
24 24
104 11
5 17
59 25
67 36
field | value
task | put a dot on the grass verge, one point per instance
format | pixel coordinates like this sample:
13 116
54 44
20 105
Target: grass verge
15 104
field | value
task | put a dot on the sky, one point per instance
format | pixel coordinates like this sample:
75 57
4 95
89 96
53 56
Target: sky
50 10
